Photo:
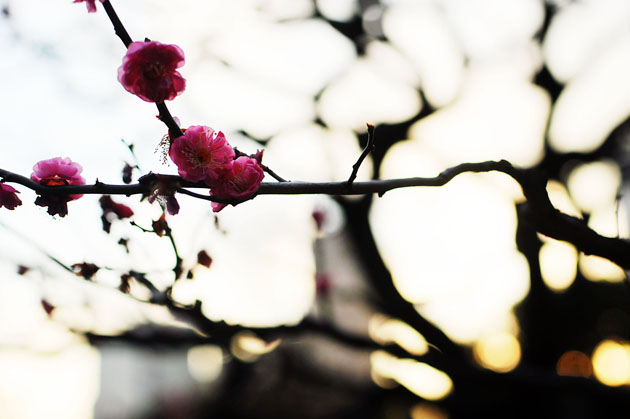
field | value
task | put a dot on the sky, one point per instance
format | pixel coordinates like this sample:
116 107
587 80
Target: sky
257 66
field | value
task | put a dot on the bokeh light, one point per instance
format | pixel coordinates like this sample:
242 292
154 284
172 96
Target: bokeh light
611 362
426 410
205 362
421 233
587 47
596 268
561 200
574 364
558 264
386 330
420 378
248 347
499 352
594 185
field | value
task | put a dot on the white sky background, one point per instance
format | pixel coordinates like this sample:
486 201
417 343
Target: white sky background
473 59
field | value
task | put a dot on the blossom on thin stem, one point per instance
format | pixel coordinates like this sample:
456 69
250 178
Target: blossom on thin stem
57 172
149 71
8 197
241 181
201 155
91 4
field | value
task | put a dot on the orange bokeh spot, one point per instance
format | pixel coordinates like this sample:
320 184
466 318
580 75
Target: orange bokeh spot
574 364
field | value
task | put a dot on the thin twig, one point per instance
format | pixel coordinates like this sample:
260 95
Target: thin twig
119 28
177 269
367 150
273 174
130 146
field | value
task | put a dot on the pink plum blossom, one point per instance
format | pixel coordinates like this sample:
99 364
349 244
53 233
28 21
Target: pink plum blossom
241 181
200 155
8 197
149 71
57 172
91 4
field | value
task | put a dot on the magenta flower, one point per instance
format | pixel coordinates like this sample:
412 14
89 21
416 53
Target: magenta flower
8 197
91 5
200 155
241 181
149 71
57 172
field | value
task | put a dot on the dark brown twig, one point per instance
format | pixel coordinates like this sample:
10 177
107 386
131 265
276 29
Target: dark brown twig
119 28
273 174
367 150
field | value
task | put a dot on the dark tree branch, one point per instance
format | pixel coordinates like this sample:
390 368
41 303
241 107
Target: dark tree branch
547 220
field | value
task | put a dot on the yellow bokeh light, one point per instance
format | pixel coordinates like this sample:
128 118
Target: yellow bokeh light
594 185
560 199
500 352
205 362
386 330
248 347
558 264
595 268
610 221
611 363
418 377
427 411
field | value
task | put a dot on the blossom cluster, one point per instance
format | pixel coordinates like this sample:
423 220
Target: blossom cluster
203 155
149 71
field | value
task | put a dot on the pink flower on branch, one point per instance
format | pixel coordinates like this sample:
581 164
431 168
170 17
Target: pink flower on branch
57 172
241 181
201 155
91 4
149 71
8 197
